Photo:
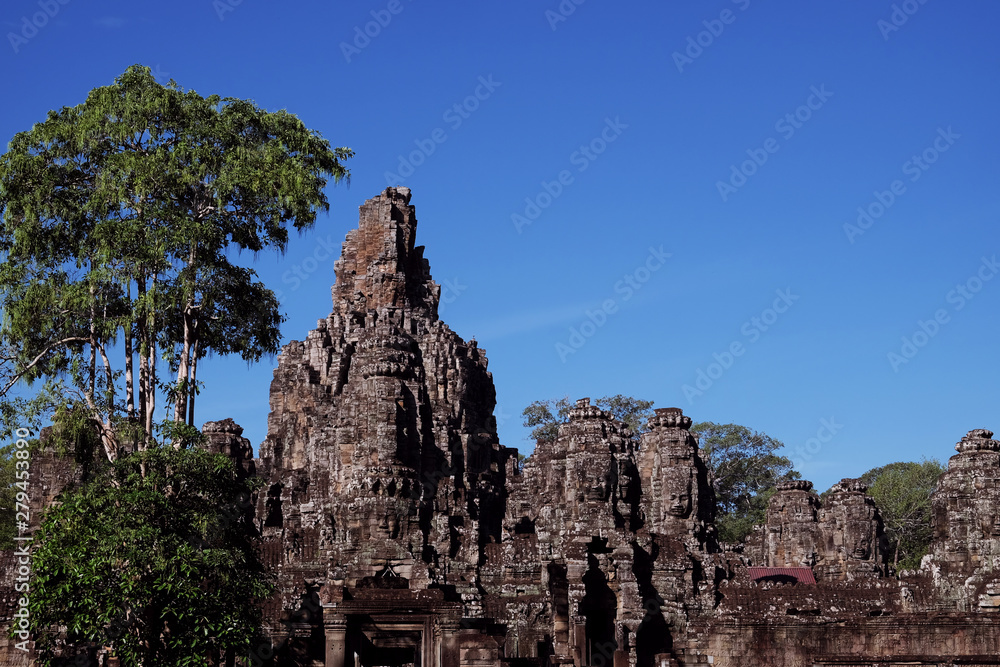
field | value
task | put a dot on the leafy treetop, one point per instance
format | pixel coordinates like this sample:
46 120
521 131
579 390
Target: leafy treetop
545 417
744 467
121 216
902 491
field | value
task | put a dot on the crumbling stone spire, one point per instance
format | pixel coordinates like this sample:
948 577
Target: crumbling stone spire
381 266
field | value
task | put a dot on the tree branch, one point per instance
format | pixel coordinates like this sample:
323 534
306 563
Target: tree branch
20 374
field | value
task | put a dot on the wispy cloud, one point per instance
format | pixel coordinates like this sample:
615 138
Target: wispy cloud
526 322
110 22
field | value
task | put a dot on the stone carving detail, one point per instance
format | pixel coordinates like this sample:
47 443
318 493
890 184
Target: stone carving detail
794 485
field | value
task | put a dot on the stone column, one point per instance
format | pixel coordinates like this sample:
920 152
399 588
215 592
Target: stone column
450 647
578 639
430 643
335 626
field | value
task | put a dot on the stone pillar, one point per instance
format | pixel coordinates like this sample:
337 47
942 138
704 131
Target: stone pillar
451 655
578 639
430 644
335 626
298 645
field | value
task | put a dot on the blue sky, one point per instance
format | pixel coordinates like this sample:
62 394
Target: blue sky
739 138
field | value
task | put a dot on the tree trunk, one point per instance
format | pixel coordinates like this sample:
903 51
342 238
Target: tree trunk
129 380
194 378
151 342
141 337
93 338
108 440
183 382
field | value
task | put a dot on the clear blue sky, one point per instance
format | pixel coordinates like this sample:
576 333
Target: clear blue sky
864 99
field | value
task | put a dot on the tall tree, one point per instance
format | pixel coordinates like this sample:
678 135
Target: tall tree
745 467
544 418
121 217
155 558
902 491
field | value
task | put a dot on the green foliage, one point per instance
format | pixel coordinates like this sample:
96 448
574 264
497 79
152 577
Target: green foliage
633 412
121 216
546 416
8 496
902 492
545 423
181 434
154 558
744 469
74 431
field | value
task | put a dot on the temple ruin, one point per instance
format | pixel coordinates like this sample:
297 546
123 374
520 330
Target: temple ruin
405 535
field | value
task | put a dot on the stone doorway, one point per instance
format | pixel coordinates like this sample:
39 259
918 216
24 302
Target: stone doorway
392 628
390 657
388 645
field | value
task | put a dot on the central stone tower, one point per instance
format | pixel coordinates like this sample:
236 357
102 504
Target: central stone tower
383 465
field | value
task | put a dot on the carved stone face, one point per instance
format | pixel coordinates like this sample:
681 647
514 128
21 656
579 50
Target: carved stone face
625 478
393 523
678 505
677 496
598 489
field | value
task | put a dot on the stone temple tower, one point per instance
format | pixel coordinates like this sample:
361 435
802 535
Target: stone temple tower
385 477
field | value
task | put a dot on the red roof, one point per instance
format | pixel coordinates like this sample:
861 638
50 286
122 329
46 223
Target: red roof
802 575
